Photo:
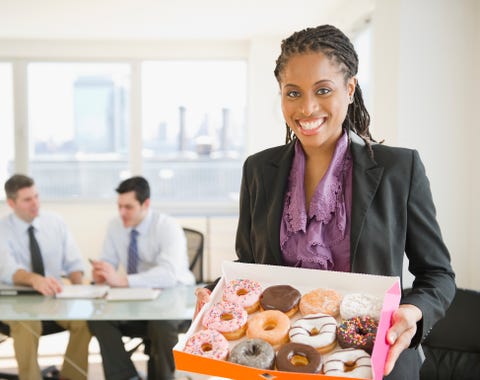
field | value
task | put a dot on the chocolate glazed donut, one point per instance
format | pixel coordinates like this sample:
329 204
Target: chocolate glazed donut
280 297
298 357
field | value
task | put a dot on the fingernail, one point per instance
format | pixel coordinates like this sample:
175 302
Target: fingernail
392 337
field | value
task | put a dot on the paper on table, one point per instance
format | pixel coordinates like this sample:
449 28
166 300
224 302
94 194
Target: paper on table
132 294
83 291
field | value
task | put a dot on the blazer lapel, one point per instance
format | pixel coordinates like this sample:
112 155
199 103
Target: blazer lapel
366 178
275 177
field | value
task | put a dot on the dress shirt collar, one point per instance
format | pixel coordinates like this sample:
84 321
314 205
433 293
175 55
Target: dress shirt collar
142 227
21 225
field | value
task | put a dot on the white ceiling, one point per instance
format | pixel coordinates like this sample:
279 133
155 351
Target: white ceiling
175 19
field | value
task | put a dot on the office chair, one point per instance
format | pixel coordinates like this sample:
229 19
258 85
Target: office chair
195 242
452 348
49 373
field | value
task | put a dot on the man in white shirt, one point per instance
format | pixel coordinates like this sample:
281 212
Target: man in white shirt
36 250
151 247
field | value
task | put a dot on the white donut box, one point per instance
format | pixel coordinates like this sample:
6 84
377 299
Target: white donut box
304 280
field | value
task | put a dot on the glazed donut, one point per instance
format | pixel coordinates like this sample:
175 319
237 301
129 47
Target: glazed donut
316 330
348 363
297 357
280 297
209 343
243 292
357 332
359 305
253 353
227 318
326 301
271 326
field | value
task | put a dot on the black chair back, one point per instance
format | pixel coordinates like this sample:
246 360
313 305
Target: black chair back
195 242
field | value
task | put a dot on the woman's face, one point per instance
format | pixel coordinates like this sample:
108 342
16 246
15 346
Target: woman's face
315 98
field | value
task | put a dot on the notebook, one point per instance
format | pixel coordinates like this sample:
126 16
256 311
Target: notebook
132 294
15 290
83 291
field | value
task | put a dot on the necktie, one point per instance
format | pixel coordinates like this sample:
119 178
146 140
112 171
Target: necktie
132 253
35 254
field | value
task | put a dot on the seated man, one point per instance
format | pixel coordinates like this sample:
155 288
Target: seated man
152 248
36 249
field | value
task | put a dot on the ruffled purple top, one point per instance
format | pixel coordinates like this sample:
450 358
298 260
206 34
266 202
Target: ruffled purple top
319 239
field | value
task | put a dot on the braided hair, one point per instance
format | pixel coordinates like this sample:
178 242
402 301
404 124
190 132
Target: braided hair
336 46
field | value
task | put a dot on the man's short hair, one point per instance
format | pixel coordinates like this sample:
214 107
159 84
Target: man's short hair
137 184
15 183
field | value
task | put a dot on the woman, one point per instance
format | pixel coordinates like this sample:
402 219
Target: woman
331 198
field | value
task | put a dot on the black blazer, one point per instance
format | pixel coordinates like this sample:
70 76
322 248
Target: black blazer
392 214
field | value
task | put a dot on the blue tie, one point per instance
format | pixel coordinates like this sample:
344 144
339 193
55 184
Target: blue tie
132 253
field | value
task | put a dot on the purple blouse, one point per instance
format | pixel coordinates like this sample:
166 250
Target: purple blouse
321 238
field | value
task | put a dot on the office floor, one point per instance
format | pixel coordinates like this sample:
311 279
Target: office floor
53 346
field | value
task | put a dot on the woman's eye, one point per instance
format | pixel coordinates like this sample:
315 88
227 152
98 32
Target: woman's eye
323 91
293 94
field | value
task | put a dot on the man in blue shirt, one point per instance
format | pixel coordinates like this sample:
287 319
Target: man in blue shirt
151 247
36 249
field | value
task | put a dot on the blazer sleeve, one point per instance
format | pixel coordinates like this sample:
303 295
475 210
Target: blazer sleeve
243 241
429 260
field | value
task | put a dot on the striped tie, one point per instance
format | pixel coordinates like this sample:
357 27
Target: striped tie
132 253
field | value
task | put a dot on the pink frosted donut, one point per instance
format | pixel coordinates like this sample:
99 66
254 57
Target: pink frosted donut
227 318
243 292
209 343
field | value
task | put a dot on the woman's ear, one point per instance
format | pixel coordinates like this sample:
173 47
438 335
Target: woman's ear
351 85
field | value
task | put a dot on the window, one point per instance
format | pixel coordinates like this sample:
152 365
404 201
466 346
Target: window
193 128
79 123
188 128
6 123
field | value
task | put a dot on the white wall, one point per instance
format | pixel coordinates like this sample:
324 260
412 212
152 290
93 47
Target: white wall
427 60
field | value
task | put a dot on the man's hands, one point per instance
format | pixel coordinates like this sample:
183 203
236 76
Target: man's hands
48 286
103 272
400 334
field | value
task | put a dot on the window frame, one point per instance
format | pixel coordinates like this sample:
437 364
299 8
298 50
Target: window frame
133 53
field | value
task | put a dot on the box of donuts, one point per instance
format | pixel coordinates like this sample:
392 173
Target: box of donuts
276 322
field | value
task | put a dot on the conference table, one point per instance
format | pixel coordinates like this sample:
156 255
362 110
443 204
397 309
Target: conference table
172 303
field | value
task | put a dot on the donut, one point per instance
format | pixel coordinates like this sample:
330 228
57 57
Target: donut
348 363
255 353
297 357
316 330
243 292
326 301
270 325
357 332
359 305
227 318
209 343
280 297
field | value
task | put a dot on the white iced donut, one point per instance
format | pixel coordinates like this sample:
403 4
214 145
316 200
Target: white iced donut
361 305
349 362
317 330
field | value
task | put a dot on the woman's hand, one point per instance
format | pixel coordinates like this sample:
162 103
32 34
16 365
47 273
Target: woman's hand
400 334
203 296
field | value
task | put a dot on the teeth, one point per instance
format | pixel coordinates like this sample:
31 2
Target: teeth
308 125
